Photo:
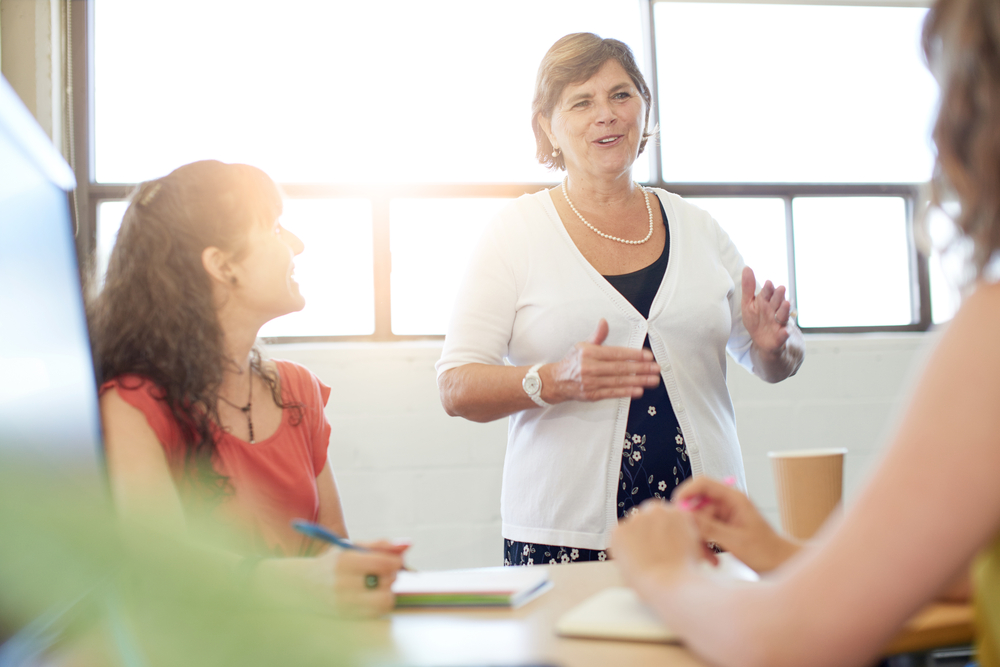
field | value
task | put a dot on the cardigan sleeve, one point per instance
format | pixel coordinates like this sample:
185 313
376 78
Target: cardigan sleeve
483 316
739 342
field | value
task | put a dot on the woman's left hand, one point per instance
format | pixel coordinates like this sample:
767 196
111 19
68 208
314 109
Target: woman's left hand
658 541
778 349
765 314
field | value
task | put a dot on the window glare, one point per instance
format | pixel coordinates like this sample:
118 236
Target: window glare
851 261
334 272
432 241
792 93
109 221
757 228
332 90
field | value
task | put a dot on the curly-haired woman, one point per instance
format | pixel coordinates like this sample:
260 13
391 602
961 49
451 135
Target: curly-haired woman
199 429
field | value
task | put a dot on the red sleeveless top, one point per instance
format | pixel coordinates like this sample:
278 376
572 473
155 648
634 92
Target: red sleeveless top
273 481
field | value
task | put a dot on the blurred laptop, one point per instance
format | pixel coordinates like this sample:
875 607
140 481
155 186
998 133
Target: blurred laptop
49 420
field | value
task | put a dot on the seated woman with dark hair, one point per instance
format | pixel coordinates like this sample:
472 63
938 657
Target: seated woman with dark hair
197 424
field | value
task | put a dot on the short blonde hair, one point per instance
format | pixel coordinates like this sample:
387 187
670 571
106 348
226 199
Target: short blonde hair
574 59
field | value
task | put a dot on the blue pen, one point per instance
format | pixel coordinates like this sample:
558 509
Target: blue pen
318 532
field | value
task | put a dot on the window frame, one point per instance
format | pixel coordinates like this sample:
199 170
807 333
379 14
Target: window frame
89 194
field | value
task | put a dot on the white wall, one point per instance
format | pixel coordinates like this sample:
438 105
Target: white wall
406 469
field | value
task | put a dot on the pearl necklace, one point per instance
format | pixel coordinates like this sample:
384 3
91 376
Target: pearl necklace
609 236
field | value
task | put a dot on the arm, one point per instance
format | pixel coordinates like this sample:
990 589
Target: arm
331 513
931 505
144 492
141 483
728 518
725 516
339 574
588 372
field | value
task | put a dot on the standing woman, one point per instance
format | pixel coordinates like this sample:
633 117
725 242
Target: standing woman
933 503
653 288
196 423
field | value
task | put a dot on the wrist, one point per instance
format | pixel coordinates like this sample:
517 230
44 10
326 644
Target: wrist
533 384
775 550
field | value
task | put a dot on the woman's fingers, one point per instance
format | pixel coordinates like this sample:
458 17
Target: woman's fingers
363 581
766 314
591 371
366 570
600 334
657 538
778 297
394 547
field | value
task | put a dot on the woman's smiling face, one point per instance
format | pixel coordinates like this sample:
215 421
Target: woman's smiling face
598 124
265 272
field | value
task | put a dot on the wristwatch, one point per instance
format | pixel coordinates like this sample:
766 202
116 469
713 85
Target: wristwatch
532 384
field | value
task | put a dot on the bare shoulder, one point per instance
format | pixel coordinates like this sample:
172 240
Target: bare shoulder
983 302
125 426
974 329
116 412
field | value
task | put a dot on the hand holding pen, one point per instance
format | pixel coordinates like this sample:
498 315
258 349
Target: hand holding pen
318 532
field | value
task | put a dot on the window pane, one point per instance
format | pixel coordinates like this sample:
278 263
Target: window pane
332 90
792 93
335 272
431 242
757 227
109 220
852 265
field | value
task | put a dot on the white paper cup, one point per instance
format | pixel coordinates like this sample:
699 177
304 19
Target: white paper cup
809 483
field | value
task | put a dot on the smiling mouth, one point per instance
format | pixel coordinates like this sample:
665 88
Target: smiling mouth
608 140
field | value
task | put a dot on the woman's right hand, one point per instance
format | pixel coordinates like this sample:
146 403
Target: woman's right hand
335 581
352 572
591 371
728 518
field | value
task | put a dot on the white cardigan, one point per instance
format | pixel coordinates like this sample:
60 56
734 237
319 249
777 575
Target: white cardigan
530 295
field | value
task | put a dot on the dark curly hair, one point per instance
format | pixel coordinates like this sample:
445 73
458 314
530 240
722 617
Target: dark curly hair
574 59
961 42
156 318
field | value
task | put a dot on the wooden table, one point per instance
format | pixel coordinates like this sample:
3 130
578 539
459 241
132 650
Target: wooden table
940 624
525 636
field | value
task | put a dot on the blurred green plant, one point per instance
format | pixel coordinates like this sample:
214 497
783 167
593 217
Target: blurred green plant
116 593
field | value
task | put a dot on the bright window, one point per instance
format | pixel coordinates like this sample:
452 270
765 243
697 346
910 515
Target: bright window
757 227
334 271
331 90
852 261
398 129
792 93
431 242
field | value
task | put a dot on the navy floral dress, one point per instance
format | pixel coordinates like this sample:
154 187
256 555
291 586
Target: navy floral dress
654 455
